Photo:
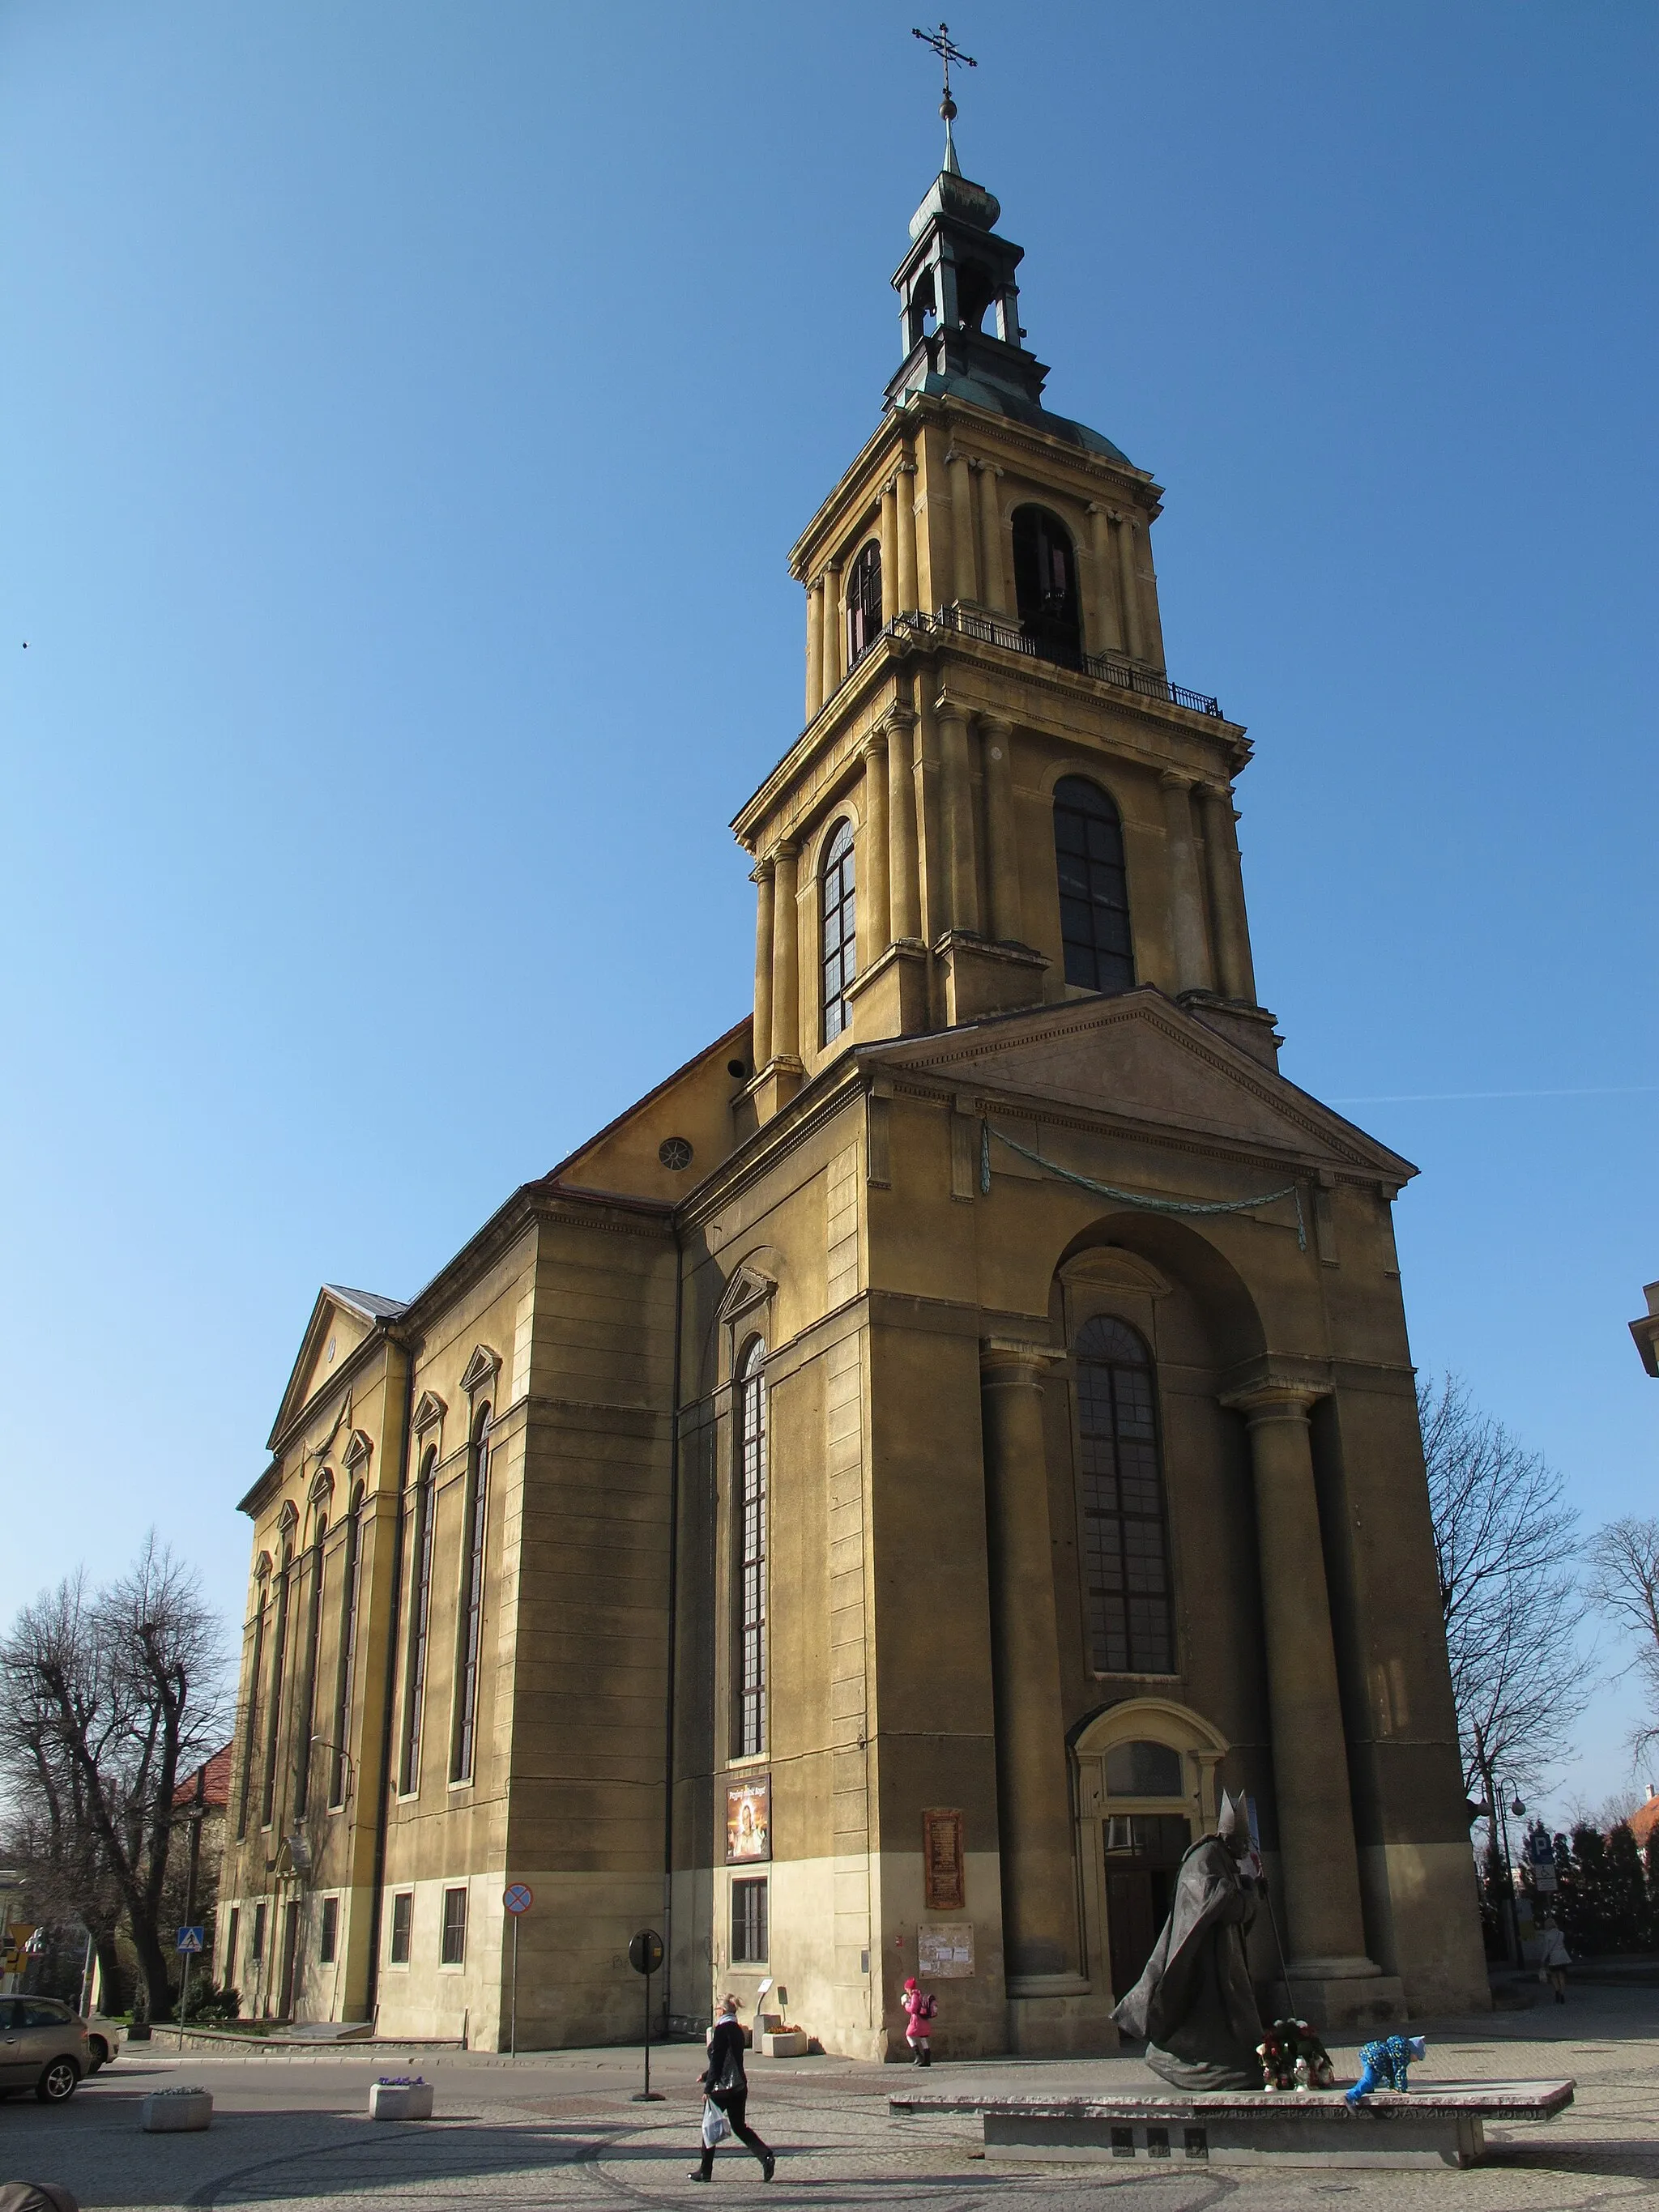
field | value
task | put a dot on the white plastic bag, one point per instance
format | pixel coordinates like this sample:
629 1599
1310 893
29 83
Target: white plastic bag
716 2125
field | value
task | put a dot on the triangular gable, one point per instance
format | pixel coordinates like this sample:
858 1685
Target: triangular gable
1140 1057
340 1321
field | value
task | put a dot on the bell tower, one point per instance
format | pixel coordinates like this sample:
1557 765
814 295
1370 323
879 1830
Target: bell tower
1022 806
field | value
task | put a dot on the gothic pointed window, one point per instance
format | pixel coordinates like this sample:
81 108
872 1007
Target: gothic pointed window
750 1732
1094 892
1045 585
863 604
840 931
1126 1552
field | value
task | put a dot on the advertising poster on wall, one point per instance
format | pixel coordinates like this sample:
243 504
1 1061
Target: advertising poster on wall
748 1820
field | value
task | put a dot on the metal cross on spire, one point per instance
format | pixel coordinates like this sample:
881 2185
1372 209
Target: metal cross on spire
940 42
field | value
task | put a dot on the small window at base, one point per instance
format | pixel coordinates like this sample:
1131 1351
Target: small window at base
749 1929
402 1914
454 1943
328 1934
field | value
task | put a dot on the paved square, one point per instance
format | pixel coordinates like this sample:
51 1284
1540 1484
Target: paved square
291 2132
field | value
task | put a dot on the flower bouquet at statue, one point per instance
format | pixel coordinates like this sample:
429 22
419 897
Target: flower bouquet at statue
1293 2057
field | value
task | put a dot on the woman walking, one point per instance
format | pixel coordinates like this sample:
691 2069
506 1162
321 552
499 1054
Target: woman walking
726 2087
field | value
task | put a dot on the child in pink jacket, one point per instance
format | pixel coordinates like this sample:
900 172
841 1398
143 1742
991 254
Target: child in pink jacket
918 2028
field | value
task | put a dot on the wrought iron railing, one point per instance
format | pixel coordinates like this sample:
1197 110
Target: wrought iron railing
957 620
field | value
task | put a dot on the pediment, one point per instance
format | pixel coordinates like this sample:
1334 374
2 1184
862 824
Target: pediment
748 1288
341 1321
1140 1058
480 1368
429 1410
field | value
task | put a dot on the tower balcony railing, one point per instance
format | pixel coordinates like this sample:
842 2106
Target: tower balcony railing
957 620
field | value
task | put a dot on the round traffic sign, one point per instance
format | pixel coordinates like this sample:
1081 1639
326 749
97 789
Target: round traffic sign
645 1951
518 1896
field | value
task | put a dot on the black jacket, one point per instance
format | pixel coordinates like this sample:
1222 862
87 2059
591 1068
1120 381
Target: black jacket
724 2072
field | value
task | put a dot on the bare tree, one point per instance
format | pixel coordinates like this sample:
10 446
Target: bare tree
1506 1541
1624 1585
104 1701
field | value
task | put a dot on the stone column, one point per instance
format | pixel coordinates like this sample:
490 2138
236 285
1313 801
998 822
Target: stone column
1108 629
1002 854
961 525
1039 1886
834 630
1236 976
785 953
962 882
994 590
904 874
888 554
909 601
1325 1934
814 649
1186 900
1129 588
764 940
875 926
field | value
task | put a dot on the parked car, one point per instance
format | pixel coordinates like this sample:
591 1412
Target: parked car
103 2042
44 2046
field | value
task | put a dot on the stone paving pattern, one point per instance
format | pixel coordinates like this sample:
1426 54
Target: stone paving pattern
291 2134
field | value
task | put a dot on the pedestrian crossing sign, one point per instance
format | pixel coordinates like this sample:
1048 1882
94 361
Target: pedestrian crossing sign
191 1939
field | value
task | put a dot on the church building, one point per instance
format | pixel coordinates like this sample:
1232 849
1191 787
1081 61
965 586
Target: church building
857 1513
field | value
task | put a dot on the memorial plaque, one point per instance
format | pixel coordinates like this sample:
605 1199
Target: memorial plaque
944 1951
944 1873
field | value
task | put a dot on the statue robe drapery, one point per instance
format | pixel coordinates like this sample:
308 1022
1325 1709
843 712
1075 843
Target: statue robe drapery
1194 2002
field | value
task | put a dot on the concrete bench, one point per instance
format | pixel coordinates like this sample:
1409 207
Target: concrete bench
1430 2126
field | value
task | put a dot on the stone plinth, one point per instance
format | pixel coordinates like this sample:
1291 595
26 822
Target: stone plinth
1431 2127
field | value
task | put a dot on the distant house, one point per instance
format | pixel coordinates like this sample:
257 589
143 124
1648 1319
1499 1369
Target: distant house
1645 1817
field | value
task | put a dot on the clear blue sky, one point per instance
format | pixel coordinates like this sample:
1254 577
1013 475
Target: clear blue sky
404 413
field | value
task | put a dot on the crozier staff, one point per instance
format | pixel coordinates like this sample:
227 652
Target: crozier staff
1193 2003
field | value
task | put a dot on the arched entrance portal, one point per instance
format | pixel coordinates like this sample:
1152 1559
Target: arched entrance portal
1145 1789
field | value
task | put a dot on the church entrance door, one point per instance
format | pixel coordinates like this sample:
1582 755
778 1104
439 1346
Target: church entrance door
1143 1850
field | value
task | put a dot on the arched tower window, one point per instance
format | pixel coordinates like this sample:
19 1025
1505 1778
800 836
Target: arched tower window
840 956
1045 585
273 1696
750 1715
344 1664
420 1623
1094 892
1126 1552
302 1745
251 1739
863 604
471 1626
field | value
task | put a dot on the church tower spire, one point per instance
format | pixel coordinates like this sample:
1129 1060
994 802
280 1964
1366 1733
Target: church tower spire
1000 799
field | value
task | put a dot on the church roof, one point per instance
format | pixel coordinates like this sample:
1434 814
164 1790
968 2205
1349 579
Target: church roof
370 1303
1020 411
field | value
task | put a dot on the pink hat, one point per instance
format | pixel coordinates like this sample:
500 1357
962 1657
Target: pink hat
910 1982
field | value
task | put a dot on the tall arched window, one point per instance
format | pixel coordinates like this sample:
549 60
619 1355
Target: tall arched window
1094 890
1045 585
344 1665
840 955
420 1623
751 1716
274 1695
308 1723
251 1735
1126 1552
470 1623
864 604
